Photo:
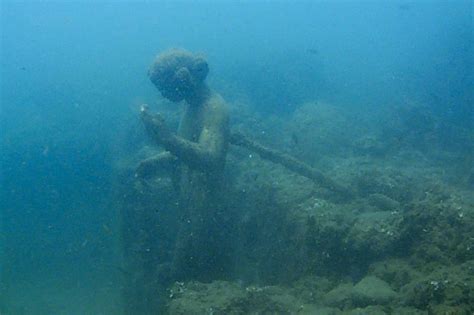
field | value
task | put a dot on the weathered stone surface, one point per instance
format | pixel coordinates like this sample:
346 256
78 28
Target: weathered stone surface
372 291
341 296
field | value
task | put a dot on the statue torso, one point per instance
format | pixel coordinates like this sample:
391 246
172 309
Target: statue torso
196 185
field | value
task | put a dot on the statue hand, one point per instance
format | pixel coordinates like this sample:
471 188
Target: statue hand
155 125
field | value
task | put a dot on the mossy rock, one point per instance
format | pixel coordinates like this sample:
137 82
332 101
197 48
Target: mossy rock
223 297
372 291
340 296
406 310
369 310
446 286
387 182
383 202
197 298
397 272
320 130
375 234
439 229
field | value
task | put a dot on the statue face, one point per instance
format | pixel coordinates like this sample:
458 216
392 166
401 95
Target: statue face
177 74
177 85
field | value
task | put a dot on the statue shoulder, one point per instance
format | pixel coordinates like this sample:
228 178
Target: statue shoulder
217 106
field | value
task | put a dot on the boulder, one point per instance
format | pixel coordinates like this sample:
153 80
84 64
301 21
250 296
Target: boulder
372 291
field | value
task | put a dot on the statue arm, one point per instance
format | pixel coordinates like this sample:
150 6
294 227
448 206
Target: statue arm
206 154
210 151
164 161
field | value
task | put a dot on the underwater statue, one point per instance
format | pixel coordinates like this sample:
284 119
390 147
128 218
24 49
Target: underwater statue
195 158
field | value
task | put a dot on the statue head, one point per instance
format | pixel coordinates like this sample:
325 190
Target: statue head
178 74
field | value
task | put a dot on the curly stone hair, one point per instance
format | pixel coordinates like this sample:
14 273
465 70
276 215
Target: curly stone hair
176 73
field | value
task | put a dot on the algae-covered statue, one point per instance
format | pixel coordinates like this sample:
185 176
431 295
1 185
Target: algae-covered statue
195 156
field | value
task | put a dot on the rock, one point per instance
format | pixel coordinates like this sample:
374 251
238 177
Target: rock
397 272
374 235
370 145
405 310
383 202
372 291
341 296
446 286
223 297
320 310
369 291
321 131
372 310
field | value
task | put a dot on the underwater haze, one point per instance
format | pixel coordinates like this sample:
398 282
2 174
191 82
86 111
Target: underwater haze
377 95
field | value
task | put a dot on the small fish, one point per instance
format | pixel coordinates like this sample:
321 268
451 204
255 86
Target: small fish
312 51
